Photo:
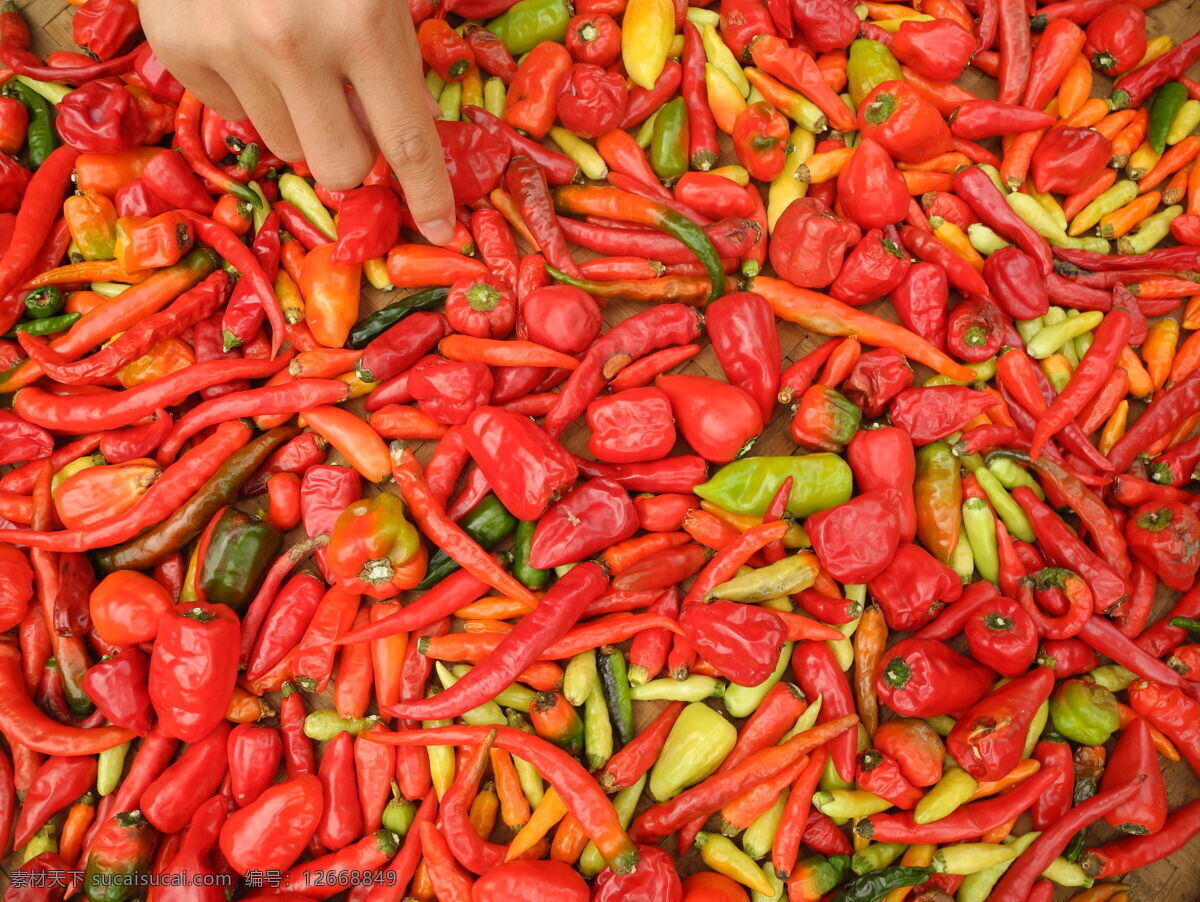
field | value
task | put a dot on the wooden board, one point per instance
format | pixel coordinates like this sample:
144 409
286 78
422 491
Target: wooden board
1176 879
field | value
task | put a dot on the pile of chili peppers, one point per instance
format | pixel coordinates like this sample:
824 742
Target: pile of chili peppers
918 658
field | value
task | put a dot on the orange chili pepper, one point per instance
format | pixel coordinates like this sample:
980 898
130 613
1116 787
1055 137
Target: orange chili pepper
106 173
91 219
569 840
167 356
870 639
1128 138
331 295
1193 191
1076 87
841 362
550 810
1014 166
1158 350
833 68
1023 770
919 183
75 827
623 555
494 352
1187 358
824 166
514 806
1114 428
86 271
494 607
502 201
949 162
405 421
1191 313
1176 188
291 259
1090 113
1124 220
245 707
1175 158
1073 204
956 239
323 363
354 439
1140 383
708 529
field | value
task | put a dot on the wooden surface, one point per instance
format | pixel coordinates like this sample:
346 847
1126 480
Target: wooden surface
1176 879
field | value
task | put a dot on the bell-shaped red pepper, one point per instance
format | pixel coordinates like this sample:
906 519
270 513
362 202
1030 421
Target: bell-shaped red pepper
1134 753
717 419
921 302
104 27
118 687
884 458
193 667
937 50
856 540
825 419
987 741
254 752
875 266
632 425
975 330
760 140
880 773
933 412
903 123
913 587
1166 538
483 306
876 377
594 38
740 640
741 327
1068 159
1003 636
871 189
924 678
597 514
591 100
100 117
1116 39
825 24
370 545
524 466
1016 282
368 224
562 317
916 748
288 812
809 242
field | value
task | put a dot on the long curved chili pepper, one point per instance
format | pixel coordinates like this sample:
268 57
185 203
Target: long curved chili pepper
1168 409
25 63
554 615
73 415
187 135
258 608
284 398
582 794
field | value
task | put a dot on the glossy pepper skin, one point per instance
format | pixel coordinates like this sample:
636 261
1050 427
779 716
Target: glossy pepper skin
809 242
1084 712
741 327
1116 39
924 678
369 546
193 666
857 540
718 420
632 425
987 740
655 880
871 189
921 301
595 515
825 419
523 465
975 330
1068 159
740 640
876 378
288 811
884 458
913 587
118 687
1015 280
903 123
1002 635
1166 538
930 413
121 848
874 267
234 553
760 140
746 486
1133 753
937 50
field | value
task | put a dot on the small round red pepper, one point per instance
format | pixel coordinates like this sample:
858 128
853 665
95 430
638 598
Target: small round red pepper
1116 39
594 38
591 101
760 140
874 267
632 425
904 123
1166 538
937 50
484 307
1003 636
871 190
100 117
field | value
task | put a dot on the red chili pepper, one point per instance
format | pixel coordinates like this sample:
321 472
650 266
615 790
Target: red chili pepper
530 105
171 801
964 277
871 190
931 413
1068 159
1166 538
760 138
903 123
923 678
937 50
118 685
913 587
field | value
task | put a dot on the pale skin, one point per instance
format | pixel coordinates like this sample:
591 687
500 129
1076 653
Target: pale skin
284 65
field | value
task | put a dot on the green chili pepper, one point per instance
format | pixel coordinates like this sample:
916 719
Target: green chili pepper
120 850
45 840
1150 232
947 794
187 522
742 701
526 24
876 856
696 688
758 838
979 525
109 767
398 815
978 886
527 774
669 144
40 137
1112 677
488 523
1166 103
1011 474
51 325
517 696
43 302
1084 712
614 682
697 744
869 63
529 576
301 195
1188 624
746 486
591 862
324 724
815 876
874 886
597 729
236 551
385 317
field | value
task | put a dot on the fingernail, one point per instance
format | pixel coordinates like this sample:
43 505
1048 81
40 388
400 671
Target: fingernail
438 231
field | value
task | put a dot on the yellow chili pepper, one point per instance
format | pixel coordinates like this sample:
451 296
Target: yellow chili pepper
720 854
785 577
649 27
945 796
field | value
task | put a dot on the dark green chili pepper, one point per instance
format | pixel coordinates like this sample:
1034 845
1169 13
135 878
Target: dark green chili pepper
386 317
1166 103
189 520
235 552
614 680
1186 623
488 523
529 576
48 326
44 302
669 144
39 135
873 886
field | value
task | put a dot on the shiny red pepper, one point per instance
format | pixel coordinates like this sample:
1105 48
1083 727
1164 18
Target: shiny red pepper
921 302
741 327
193 667
1166 538
1003 636
760 140
591 101
594 516
1068 159
903 123
938 50
105 27
633 425
809 243
874 267
987 741
871 191
100 117
924 678
857 540
913 588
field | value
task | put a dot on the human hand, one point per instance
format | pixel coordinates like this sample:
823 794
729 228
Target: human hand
284 64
